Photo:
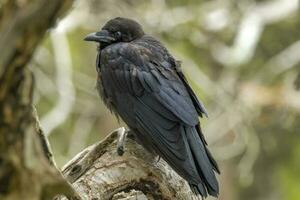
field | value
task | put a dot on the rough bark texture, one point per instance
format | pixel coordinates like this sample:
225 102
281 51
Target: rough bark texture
25 171
99 172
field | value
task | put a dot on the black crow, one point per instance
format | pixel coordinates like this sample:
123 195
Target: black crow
142 83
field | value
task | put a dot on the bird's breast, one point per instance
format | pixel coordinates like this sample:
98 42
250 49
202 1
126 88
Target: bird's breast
106 98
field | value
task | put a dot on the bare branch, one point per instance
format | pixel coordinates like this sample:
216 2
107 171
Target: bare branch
98 172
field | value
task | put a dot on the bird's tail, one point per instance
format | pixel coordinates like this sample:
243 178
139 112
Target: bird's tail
204 162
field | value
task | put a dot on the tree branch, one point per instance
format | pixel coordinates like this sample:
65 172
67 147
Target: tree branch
25 170
99 173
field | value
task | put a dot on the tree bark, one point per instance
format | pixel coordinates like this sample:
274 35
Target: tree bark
25 170
98 172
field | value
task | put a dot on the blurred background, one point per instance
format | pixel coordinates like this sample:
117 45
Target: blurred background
242 58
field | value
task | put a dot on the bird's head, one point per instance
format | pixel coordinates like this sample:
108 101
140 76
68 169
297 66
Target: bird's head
117 30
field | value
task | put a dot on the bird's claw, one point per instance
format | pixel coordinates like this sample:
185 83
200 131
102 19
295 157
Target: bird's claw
121 141
120 150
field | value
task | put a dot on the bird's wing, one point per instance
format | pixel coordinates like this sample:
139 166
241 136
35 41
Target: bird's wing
197 103
163 109
141 73
158 48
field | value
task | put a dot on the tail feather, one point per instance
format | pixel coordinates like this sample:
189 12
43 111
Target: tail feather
212 160
204 163
199 191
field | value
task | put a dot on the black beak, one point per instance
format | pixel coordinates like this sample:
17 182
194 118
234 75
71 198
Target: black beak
101 36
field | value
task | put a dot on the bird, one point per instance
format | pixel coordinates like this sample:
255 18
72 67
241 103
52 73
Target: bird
143 84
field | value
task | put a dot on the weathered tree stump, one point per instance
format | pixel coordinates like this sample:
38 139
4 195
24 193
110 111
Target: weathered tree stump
98 172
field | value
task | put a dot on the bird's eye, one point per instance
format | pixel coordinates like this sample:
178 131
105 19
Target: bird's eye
118 34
